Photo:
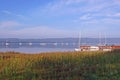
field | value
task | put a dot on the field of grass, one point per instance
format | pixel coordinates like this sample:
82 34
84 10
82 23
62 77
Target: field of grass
60 66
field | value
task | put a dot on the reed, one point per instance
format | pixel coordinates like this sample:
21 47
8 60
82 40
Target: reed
60 66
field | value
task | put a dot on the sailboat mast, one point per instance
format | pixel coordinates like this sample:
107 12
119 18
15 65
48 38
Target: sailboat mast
105 40
79 40
99 39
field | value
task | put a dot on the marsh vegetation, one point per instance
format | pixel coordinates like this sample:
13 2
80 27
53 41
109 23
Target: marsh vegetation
60 66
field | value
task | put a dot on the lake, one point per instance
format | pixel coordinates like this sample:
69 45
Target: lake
35 49
50 45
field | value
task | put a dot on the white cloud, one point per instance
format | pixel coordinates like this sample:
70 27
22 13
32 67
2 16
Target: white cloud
116 15
111 21
14 14
69 2
104 21
37 32
86 17
48 32
57 8
116 2
72 7
6 24
6 12
95 12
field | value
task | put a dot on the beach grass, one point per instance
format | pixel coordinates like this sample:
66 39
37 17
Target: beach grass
60 66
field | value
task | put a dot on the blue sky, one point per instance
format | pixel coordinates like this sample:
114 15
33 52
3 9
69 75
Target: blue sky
59 18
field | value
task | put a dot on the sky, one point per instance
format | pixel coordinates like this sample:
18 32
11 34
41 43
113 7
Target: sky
59 18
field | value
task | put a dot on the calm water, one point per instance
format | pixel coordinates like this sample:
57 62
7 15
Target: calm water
35 49
50 45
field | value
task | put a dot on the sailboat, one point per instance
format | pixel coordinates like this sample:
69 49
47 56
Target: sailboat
79 39
77 49
87 47
105 47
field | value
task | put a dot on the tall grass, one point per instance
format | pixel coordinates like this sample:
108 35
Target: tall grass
60 66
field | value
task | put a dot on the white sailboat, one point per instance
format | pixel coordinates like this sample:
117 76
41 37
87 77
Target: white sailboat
79 39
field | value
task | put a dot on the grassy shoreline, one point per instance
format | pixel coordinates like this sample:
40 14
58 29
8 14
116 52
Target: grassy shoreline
60 66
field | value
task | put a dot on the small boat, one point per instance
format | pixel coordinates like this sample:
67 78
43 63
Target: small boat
77 49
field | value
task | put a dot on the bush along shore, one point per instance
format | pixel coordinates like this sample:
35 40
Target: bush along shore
60 66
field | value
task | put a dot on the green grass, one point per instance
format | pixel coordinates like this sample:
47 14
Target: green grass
60 66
